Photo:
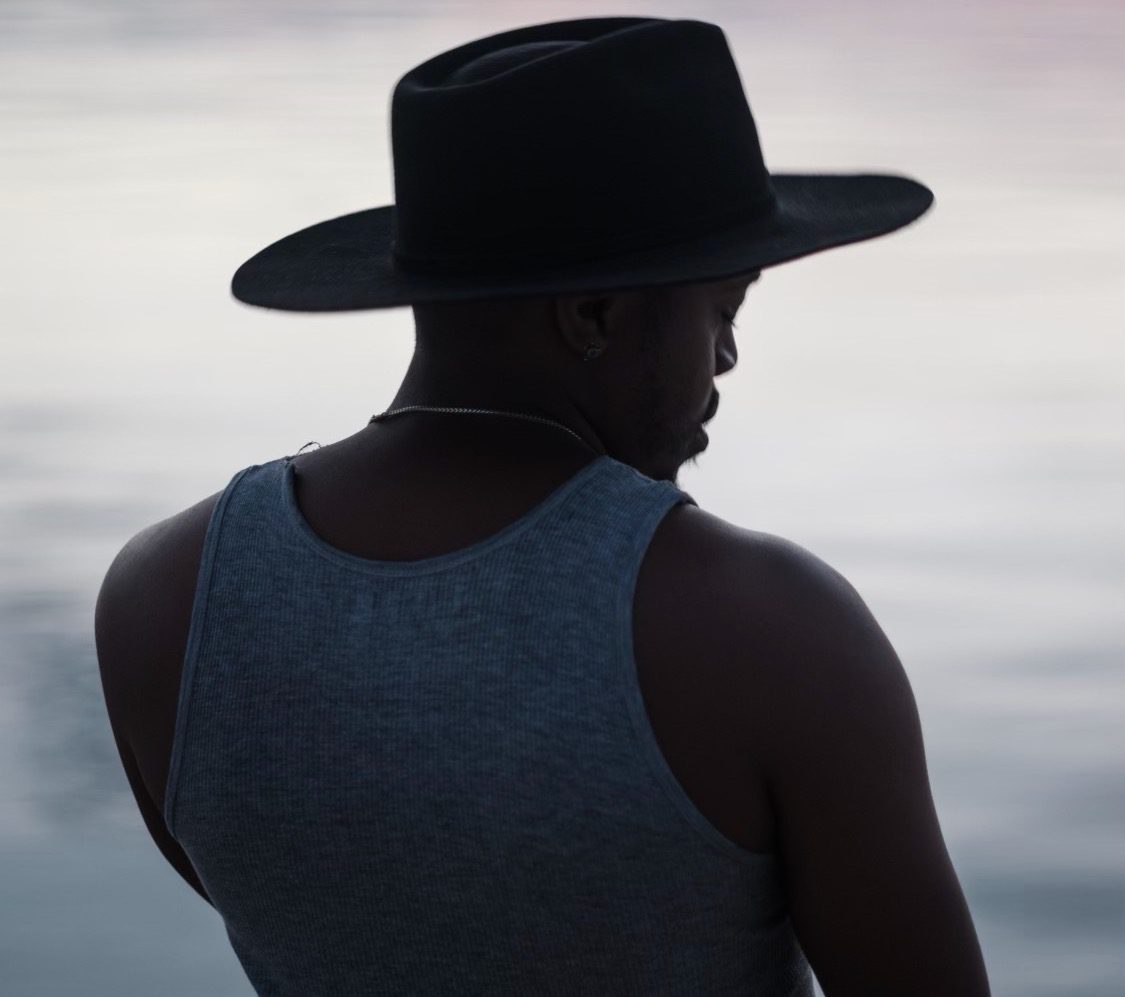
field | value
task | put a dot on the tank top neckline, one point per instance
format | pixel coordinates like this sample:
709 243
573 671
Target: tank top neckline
437 562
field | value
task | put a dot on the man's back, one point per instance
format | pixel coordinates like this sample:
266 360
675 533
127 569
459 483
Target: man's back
754 660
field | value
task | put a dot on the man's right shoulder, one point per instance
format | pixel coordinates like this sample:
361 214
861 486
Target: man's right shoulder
828 720
734 569
786 626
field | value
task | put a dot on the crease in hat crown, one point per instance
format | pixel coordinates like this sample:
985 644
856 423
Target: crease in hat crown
572 140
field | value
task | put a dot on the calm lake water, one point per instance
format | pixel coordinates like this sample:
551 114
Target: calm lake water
940 414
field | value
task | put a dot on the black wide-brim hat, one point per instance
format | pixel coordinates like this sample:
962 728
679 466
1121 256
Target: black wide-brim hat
598 154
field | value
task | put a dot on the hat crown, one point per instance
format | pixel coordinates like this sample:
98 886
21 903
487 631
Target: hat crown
571 140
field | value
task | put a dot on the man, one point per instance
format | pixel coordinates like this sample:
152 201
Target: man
477 699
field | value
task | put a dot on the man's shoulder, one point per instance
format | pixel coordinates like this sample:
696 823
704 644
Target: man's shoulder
733 566
154 558
141 623
778 612
802 662
144 604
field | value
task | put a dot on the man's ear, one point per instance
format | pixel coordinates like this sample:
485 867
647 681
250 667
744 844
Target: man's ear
584 319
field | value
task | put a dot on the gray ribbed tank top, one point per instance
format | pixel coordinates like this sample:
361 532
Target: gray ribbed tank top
437 776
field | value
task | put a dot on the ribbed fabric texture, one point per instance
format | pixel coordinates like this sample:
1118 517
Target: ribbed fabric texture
438 777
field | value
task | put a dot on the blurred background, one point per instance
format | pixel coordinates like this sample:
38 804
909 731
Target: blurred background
940 413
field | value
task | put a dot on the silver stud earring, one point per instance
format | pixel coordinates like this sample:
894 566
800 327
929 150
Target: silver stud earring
591 352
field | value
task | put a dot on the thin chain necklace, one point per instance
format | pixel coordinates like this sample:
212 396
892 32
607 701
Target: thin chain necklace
478 411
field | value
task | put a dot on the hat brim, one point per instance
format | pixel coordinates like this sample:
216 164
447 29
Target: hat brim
345 263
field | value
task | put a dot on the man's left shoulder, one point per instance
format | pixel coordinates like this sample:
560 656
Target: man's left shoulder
141 625
157 563
142 616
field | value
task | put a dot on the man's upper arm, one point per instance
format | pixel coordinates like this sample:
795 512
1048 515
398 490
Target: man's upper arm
129 645
874 897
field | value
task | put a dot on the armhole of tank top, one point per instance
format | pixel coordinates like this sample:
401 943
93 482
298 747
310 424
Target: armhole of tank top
646 736
199 607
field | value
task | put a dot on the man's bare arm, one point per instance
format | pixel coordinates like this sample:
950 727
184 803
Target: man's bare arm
875 899
126 617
